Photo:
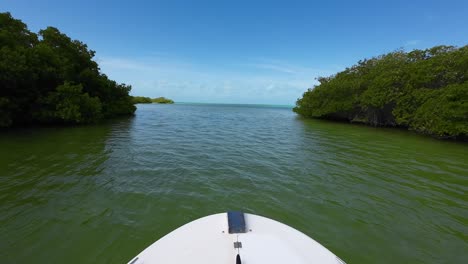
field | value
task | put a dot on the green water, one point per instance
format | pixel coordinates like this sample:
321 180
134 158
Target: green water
101 194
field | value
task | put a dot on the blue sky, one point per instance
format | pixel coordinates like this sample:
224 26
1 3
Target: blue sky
241 51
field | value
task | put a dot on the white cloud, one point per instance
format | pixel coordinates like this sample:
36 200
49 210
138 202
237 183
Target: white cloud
285 67
281 83
273 67
412 42
125 64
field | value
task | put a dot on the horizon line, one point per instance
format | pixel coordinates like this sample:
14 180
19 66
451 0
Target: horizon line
215 103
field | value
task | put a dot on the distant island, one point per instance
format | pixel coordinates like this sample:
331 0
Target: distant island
423 90
48 78
147 100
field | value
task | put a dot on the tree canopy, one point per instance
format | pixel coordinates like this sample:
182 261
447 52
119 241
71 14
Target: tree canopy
422 90
141 100
147 100
162 100
50 78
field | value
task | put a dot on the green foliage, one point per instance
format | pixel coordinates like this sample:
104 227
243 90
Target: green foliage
423 90
68 104
141 100
162 100
444 113
5 117
147 100
50 78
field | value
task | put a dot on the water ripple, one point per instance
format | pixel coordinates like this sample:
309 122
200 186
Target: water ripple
113 189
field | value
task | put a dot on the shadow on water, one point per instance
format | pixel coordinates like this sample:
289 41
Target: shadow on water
47 176
379 185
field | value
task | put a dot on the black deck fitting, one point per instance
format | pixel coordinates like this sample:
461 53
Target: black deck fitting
238 259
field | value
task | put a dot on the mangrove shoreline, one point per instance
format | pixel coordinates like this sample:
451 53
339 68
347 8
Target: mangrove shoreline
425 91
47 78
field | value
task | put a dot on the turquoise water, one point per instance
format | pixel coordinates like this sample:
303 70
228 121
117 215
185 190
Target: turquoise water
101 194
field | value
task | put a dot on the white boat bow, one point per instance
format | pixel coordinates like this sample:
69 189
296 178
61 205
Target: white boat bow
235 237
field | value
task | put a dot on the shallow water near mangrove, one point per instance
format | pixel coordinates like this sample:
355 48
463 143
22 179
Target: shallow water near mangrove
102 193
